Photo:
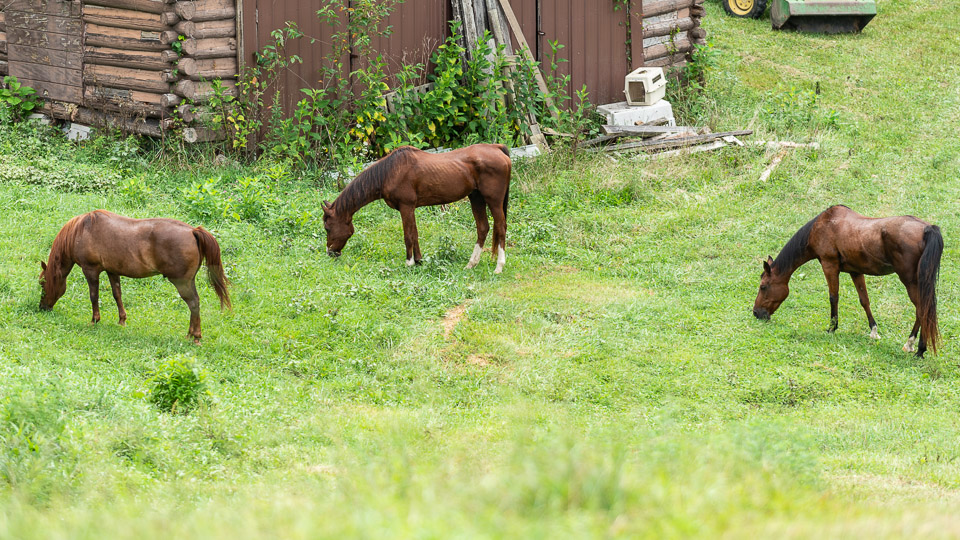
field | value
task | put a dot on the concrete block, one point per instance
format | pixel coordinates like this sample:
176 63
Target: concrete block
622 114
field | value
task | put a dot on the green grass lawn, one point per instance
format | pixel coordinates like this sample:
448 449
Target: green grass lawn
612 382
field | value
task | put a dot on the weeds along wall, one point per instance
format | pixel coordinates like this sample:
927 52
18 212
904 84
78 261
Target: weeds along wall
122 63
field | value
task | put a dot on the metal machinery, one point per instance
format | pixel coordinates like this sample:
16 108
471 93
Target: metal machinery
822 16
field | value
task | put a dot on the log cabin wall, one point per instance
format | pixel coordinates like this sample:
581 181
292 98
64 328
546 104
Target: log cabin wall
126 63
671 30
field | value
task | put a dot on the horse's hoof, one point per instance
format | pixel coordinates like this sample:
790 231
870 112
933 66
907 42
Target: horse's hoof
874 333
196 341
122 323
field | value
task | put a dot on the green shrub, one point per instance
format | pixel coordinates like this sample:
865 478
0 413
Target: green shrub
16 100
177 385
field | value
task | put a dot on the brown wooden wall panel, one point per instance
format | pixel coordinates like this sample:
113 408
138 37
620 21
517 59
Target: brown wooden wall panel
41 72
47 57
20 36
62 8
593 33
49 90
43 22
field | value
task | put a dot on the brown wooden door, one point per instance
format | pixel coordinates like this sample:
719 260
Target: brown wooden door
45 47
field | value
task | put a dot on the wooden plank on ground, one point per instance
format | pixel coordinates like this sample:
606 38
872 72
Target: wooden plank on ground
645 131
665 144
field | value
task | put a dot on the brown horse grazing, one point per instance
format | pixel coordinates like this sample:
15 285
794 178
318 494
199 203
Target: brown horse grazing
407 178
101 241
844 241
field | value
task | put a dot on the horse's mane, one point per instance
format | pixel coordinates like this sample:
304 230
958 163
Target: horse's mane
795 247
63 243
367 185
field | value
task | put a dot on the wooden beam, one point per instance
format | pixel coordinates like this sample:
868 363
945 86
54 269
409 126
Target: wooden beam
123 38
525 50
207 29
146 6
106 56
676 143
201 91
668 27
132 79
210 48
125 18
208 69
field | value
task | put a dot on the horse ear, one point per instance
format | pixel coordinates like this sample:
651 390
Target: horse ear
43 265
326 204
766 266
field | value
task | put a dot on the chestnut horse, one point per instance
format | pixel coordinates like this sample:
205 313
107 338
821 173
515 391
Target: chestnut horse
102 241
407 178
844 241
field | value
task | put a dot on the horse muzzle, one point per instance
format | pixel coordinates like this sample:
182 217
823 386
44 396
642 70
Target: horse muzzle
333 253
45 308
761 314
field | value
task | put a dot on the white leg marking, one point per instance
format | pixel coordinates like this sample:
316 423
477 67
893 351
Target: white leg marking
908 347
501 259
875 332
410 261
475 258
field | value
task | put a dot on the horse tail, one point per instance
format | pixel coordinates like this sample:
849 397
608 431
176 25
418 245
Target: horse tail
928 271
210 250
505 149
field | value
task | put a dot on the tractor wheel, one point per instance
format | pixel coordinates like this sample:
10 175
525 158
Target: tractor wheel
752 9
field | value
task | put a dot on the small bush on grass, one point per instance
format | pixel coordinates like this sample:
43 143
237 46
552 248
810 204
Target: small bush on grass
177 385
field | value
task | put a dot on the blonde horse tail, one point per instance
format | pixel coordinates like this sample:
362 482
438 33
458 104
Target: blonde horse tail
210 250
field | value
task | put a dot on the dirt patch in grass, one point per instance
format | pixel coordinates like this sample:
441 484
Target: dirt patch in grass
453 317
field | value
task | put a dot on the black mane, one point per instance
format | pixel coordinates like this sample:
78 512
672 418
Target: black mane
368 184
795 248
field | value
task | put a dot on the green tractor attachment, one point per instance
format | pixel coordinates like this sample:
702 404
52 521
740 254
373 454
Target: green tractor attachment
822 16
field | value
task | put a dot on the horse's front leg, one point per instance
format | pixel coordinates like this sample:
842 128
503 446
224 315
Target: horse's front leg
832 272
93 281
861 284
115 287
410 238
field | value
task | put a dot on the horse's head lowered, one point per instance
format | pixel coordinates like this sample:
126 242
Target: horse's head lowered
774 289
52 287
339 229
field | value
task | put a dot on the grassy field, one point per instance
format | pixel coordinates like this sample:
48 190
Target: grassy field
611 383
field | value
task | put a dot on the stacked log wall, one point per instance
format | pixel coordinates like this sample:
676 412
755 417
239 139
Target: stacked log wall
3 39
671 31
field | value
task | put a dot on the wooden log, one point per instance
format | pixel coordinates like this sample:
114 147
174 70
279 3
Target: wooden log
210 48
44 23
3 43
106 56
123 38
665 49
46 57
47 73
170 100
207 69
667 27
146 6
697 33
171 57
674 60
169 76
124 18
99 119
4 68
132 79
698 11
126 101
169 36
652 8
206 10
202 134
3 21
208 29
42 7
202 91
52 90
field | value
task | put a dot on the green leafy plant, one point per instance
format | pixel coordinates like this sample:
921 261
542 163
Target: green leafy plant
16 99
177 385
